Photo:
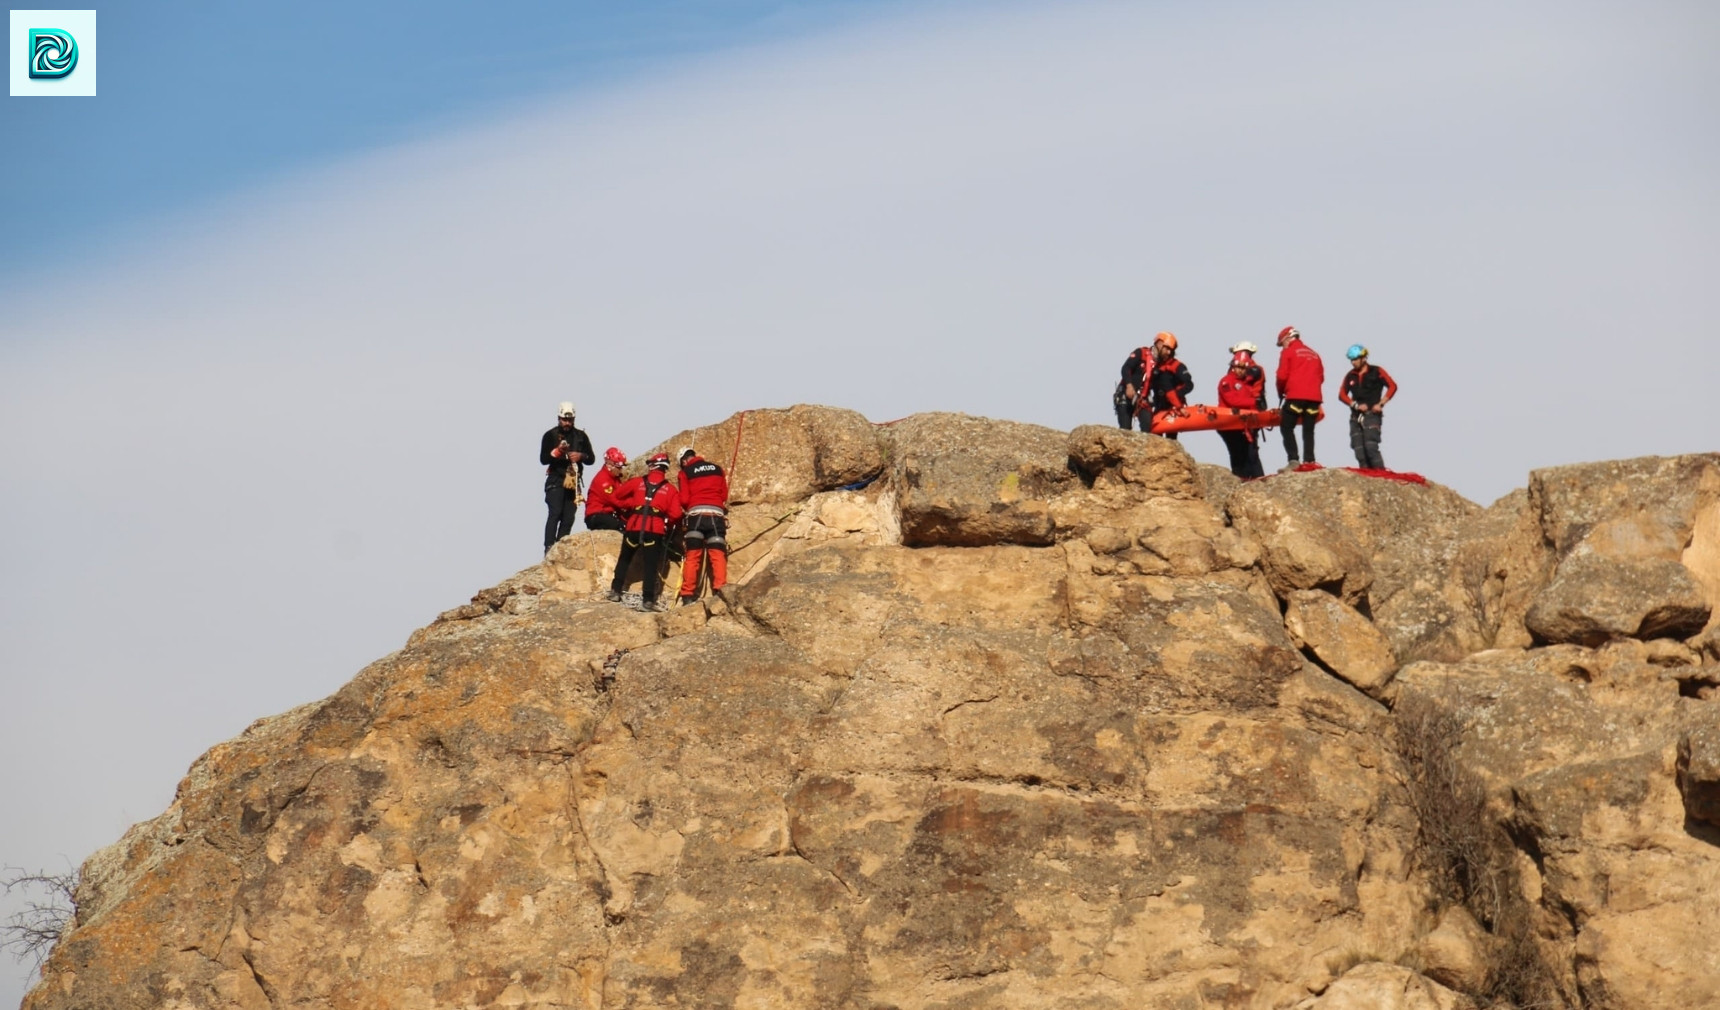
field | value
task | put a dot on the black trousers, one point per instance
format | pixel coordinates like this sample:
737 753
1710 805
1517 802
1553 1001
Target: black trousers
1365 439
1301 413
563 510
654 548
1244 454
603 521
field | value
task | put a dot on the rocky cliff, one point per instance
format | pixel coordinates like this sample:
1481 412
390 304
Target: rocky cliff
1030 719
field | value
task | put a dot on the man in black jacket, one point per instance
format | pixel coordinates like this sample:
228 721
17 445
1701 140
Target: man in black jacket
563 447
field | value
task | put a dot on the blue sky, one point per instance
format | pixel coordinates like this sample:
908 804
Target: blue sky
284 314
200 99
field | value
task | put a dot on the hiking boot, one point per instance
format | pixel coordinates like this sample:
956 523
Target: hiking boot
653 606
687 601
1289 467
612 596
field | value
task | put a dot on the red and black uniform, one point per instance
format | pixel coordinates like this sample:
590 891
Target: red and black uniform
1246 392
705 495
1167 389
1366 389
1366 386
1301 374
602 511
651 503
563 502
1136 367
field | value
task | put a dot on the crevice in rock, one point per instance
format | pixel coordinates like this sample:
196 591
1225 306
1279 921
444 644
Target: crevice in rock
585 853
794 850
269 992
966 702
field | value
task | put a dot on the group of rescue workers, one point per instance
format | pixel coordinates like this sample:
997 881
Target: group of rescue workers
1154 381
656 517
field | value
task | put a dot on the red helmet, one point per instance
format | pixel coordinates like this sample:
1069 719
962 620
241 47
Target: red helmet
1241 358
1288 333
660 461
614 455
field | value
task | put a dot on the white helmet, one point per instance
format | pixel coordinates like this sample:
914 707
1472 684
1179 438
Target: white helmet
1246 347
565 410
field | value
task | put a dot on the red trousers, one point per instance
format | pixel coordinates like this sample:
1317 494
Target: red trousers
716 558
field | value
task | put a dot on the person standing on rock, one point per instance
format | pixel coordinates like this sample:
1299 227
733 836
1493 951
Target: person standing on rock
1127 398
1255 374
1243 386
1300 378
652 504
1169 383
1366 389
564 450
705 496
601 511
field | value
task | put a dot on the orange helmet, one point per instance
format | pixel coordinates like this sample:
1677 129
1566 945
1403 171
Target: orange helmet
1168 339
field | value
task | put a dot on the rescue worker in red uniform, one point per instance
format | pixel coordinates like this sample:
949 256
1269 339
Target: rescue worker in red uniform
1255 373
705 497
1300 378
1243 386
1169 384
652 505
601 511
1367 389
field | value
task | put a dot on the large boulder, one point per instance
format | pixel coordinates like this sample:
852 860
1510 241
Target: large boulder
786 454
1384 546
1594 850
891 776
1634 547
966 481
1343 640
1593 598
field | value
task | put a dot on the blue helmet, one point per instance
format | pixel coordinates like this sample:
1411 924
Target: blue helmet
1356 351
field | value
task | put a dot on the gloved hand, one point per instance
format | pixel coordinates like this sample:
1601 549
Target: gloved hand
559 451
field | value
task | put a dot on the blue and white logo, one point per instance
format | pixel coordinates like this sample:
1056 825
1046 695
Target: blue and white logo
53 52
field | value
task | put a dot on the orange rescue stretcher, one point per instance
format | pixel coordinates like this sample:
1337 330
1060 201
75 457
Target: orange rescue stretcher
1199 417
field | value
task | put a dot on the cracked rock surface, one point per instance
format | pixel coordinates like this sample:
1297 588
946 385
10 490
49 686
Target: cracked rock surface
1018 725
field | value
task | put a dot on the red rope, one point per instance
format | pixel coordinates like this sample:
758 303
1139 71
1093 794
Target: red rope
736 454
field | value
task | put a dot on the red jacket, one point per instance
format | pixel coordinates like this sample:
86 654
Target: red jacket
1300 372
600 499
1243 391
703 483
665 501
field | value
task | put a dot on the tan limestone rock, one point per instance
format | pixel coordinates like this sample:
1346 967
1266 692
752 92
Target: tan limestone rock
1455 952
1376 985
1593 598
1385 546
785 454
969 481
1344 641
1699 771
1157 466
1621 534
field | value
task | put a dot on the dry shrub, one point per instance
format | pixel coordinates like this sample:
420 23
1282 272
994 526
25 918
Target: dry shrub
1467 855
50 904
